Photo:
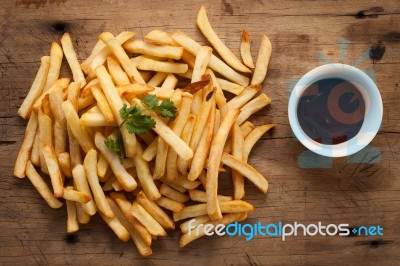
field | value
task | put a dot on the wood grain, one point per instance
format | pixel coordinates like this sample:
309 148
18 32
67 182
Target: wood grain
358 194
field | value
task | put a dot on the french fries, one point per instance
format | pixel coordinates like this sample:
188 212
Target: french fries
137 46
123 177
140 135
217 146
56 56
56 178
245 51
24 152
205 27
72 60
159 66
42 187
36 89
246 170
121 55
264 55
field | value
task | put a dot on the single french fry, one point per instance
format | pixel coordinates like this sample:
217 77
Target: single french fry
73 195
77 130
123 177
147 220
54 170
36 89
200 196
155 211
173 194
201 62
170 204
160 37
252 138
56 56
222 49
203 148
35 159
202 117
245 51
200 66
217 146
203 219
264 55
121 55
45 137
116 104
60 124
134 89
161 159
182 181
219 94
244 97
233 206
86 102
24 152
102 167
177 187
179 124
136 237
117 73
90 164
188 237
230 86
82 216
138 46
103 104
116 226
41 187
72 60
97 59
72 219
252 107
64 161
157 79
74 147
186 136
215 63
151 151
117 186
246 170
237 152
159 66
144 176
95 120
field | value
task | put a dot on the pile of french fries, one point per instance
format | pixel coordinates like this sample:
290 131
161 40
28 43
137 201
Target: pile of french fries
170 173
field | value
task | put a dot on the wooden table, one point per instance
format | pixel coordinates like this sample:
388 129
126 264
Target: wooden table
300 32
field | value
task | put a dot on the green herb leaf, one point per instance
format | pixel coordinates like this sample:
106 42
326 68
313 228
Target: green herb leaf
139 123
166 108
151 101
117 145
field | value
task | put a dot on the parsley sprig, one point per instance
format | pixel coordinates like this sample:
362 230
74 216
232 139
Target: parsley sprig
136 122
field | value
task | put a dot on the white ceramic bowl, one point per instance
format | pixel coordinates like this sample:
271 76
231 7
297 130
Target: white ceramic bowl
373 109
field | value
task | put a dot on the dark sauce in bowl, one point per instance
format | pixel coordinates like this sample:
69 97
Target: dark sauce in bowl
331 111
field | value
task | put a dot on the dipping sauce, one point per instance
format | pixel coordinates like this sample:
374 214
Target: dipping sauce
331 111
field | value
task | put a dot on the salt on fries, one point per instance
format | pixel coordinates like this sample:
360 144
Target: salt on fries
121 139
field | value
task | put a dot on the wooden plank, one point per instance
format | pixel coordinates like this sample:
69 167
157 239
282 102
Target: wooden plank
354 193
